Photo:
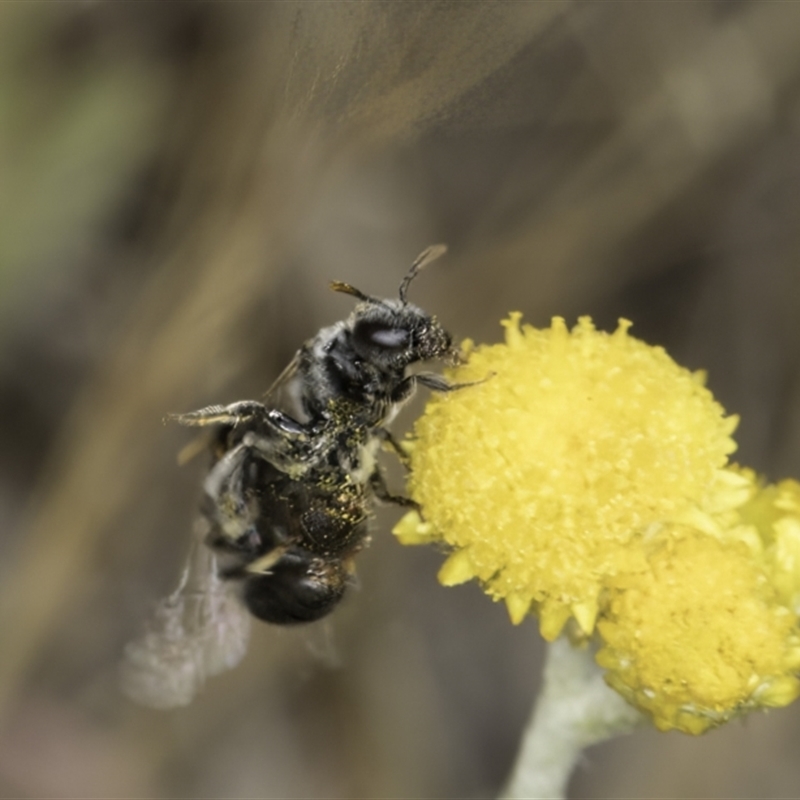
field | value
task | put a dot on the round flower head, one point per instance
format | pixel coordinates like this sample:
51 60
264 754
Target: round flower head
585 475
544 477
701 635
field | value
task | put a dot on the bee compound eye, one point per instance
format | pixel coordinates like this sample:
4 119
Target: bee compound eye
378 334
303 589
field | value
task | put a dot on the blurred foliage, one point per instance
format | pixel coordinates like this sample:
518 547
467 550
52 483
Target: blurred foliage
180 180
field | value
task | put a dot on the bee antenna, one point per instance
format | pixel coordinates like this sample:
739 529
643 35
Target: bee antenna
422 260
346 288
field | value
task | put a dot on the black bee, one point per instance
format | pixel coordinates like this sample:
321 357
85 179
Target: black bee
286 500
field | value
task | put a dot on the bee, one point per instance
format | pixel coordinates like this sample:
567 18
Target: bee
286 501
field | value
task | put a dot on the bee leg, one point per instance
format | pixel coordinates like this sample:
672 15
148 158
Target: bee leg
439 384
238 413
386 436
382 492
227 504
404 389
430 380
285 423
234 414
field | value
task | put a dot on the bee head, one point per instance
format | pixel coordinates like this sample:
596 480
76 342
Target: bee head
396 333
392 334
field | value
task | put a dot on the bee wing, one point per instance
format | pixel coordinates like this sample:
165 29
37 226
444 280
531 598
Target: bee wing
198 631
283 393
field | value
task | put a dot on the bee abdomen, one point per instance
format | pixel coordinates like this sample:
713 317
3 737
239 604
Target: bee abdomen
300 588
330 529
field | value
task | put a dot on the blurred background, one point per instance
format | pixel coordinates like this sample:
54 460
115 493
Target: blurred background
179 182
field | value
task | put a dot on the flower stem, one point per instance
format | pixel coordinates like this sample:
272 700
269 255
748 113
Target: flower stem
574 709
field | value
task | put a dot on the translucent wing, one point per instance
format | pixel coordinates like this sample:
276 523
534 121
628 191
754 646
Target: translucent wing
198 631
288 372
285 391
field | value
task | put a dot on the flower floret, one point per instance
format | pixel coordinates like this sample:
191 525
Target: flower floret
774 512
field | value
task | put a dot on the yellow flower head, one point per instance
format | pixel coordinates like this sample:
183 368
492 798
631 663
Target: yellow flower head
700 636
542 476
585 475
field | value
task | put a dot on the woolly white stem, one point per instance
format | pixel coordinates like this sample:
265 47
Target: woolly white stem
575 709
